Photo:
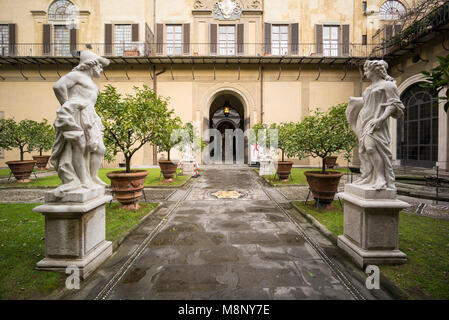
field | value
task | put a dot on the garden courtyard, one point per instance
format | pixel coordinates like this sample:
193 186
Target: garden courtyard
229 234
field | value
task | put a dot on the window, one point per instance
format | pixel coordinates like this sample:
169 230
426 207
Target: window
61 10
417 131
330 40
364 39
392 10
174 39
4 39
62 40
279 40
122 39
227 40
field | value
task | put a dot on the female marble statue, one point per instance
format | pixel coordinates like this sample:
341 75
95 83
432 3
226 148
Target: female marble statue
78 149
368 117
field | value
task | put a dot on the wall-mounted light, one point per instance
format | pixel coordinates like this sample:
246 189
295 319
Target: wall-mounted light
227 108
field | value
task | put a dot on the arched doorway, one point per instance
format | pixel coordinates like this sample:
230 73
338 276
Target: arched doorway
227 112
417 131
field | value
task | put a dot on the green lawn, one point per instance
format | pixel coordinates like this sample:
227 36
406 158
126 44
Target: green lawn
4 173
424 240
151 180
296 176
22 245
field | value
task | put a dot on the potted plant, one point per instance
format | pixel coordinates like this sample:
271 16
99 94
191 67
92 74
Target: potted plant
18 135
130 122
43 140
165 141
285 131
319 135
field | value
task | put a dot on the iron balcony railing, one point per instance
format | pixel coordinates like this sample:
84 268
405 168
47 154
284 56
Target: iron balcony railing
188 49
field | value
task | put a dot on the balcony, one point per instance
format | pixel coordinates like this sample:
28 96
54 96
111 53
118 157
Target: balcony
163 53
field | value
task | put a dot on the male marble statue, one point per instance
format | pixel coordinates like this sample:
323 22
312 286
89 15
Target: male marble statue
368 117
78 149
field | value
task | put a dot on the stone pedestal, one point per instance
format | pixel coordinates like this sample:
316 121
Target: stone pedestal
188 167
75 232
265 168
371 222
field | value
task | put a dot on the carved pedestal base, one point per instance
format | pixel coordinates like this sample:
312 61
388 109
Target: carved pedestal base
75 235
265 168
371 221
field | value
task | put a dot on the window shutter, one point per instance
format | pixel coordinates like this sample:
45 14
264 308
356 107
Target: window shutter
46 39
294 38
213 39
159 38
135 33
108 39
267 47
388 32
186 38
319 38
12 39
240 38
73 36
346 39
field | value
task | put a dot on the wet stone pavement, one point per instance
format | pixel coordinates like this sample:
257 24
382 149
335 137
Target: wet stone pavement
213 248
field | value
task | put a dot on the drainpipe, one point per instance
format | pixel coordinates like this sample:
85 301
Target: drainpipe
261 95
155 91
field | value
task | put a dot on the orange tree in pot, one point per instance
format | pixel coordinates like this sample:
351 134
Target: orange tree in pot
130 122
43 140
320 135
167 139
15 135
284 132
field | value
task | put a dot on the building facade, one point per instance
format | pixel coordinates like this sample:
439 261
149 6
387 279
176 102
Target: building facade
270 60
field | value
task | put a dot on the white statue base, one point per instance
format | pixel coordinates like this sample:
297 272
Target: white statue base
265 167
371 223
75 232
188 167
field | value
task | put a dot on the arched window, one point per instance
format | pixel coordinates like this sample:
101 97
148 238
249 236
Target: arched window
417 131
61 10
391 10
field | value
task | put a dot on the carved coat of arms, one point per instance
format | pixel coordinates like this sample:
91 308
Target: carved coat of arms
227 9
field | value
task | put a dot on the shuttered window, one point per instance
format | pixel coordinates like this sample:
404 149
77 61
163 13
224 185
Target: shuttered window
4 39
122 39
108 39
186 38
267 38
331 40
159 38
294 38
279 40
61 40
213 39
240 38
174 39
227 40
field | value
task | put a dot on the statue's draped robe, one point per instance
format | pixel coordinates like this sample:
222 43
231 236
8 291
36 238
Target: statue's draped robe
76 123
372 106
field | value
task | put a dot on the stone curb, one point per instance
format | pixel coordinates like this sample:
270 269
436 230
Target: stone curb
390 286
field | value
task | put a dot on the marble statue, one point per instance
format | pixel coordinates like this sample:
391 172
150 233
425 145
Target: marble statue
368 117
78 149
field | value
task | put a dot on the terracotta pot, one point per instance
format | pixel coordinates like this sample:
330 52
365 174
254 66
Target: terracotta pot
21 169
128 187
284 169
41 162
168 169
330 161
324 186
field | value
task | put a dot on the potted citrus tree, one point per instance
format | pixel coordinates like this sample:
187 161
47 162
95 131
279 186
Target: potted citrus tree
285 132
19 135
165 141
130 122
320 135
43 140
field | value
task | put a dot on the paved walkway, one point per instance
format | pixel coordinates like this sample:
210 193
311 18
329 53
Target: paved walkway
198 246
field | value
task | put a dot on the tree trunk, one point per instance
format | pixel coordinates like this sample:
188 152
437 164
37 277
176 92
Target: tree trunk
324 165
21 153
282 155
40 152
128 164
168 155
